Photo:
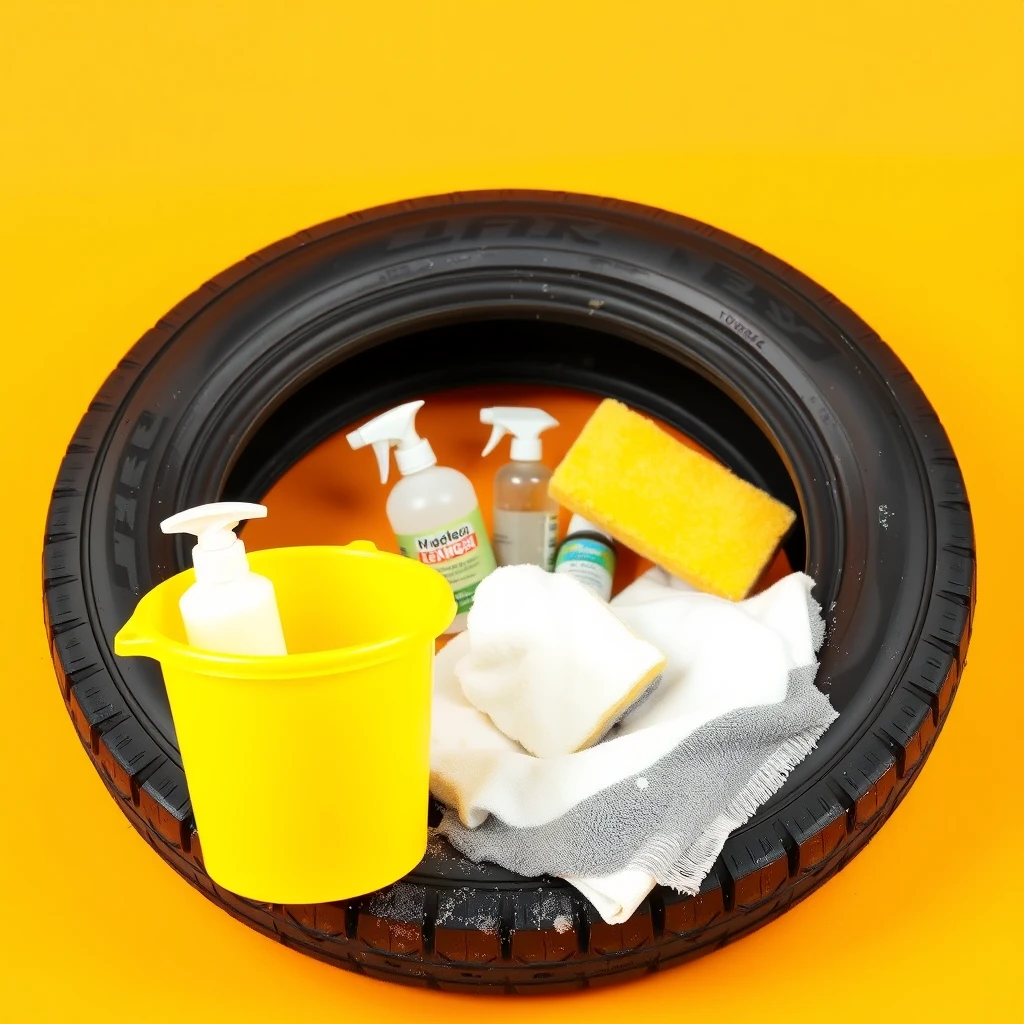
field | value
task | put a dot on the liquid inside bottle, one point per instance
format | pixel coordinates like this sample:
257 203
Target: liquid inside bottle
525 516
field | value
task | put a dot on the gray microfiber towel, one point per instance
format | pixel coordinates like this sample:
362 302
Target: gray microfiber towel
654 802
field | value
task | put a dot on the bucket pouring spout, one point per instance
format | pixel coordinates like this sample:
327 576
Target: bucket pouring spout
131 641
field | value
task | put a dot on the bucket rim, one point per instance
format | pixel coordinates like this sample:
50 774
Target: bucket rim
140 637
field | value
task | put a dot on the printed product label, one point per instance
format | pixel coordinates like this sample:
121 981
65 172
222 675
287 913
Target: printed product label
525 538
589 561
460 551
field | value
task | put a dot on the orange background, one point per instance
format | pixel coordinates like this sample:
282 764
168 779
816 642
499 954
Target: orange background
334 494
878 147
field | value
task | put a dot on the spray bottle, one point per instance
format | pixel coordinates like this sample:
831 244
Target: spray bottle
433 509
229 608
525 515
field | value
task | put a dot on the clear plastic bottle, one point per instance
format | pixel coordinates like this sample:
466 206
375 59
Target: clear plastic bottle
525 515
433 509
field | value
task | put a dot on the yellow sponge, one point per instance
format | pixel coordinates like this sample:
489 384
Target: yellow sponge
669 503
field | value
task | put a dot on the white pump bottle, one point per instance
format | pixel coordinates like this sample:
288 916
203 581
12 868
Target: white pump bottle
525 515
229 608
433 509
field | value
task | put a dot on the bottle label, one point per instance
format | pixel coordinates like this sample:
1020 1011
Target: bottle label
589 561
460 551
525 538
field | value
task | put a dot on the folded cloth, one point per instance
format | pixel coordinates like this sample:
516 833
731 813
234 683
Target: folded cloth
654 802
549 662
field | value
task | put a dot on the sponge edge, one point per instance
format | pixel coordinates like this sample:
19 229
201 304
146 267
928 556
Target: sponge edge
674 506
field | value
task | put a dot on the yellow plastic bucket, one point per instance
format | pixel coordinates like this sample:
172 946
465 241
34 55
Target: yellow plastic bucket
308 772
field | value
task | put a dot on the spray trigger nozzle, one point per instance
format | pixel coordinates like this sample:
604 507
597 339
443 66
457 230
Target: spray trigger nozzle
496 435
395 428
382 450
523 423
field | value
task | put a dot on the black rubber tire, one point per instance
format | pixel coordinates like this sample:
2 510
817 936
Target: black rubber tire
682 321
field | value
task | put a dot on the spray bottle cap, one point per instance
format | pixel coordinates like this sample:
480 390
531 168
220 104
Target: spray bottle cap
396 427
524 424
219 556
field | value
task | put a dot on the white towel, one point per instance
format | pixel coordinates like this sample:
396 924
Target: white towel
656 800
549 663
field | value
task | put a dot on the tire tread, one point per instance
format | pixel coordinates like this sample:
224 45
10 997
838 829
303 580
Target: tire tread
436 947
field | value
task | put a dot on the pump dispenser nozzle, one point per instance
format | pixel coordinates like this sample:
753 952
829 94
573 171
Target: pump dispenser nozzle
524 424
219 555
397 428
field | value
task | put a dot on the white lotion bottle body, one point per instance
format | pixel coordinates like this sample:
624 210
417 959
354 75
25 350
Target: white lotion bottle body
436 518
229 609
239 616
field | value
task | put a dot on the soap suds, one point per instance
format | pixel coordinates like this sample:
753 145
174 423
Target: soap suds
401 902
485 920
405 932
562 924
554 908
883 516
482 923
437 845
450 903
